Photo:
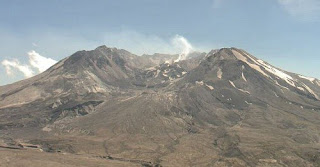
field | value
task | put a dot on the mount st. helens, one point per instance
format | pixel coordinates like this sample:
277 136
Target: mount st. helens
108 106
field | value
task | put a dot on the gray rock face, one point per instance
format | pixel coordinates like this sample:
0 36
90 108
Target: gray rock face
223 108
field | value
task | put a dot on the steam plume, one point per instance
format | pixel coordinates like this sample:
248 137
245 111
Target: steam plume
184 45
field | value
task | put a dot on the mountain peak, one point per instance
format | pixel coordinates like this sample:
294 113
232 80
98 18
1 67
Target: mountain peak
221 54
104 47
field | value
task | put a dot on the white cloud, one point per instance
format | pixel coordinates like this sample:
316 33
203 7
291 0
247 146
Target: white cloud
13 65
183 45
36 61
39 62
307 10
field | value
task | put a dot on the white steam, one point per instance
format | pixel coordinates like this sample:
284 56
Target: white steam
183 45
36 61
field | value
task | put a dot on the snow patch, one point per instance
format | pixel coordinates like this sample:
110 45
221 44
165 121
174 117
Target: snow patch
307 78
318 83
311 91
300 88
199 83
248 103
268 160
219 73
278 73
46 129
244 59
232 84
280 85
210 87
259 63
244 78
244 91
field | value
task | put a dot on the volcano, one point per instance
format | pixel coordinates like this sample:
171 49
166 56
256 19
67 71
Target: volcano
109 107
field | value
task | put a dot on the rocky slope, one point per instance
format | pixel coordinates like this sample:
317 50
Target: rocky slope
223 108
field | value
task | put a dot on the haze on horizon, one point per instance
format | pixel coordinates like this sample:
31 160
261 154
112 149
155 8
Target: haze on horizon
36 34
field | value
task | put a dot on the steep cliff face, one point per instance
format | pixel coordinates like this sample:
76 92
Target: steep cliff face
223 108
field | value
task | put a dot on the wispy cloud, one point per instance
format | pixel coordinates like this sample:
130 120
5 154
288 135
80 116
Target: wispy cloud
34 44
37 64
307 10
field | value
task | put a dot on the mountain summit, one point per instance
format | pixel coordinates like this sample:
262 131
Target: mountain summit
222 108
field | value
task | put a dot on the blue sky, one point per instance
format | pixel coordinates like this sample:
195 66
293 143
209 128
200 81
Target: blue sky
284 33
